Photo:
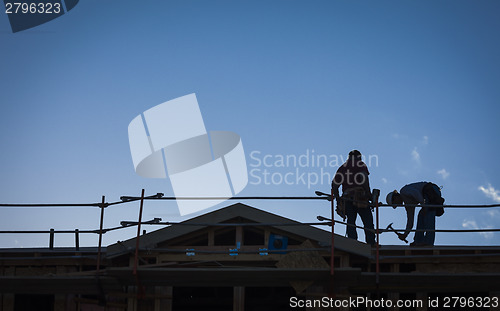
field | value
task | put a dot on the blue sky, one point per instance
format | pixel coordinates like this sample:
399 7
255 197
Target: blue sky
414 84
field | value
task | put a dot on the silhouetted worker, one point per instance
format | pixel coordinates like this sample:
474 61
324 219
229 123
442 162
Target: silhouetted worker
353 176
411 195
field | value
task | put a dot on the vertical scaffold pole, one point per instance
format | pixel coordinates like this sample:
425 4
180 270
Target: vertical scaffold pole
77 239
136 258
332 254
51 239
140 288
100 234
376 194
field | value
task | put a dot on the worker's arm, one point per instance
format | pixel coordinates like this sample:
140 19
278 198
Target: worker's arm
335 190
340 206
336 182
410 218
366 187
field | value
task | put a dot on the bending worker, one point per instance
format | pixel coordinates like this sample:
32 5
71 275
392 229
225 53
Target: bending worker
411 195
353 176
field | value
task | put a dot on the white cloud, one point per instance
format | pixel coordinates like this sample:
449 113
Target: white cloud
493 213
415 155
384 180
425 140
399 136
444 173
471 224
491 192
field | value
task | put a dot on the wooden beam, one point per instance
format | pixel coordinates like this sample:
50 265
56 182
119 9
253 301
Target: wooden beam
211 237
238 298
214 277
219 257
163 298
239 236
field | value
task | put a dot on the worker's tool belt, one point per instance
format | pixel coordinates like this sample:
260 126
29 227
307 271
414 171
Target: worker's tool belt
357 196
432 195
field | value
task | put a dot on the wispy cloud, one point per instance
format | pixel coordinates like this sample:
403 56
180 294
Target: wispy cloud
491 192
469 224
444 173
399 136
493 213
415 155
384 180
472 224
425 140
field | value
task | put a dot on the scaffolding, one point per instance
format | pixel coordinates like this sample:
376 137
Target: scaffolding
322 221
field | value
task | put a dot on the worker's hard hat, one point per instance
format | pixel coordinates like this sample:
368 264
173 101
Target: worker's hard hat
389 196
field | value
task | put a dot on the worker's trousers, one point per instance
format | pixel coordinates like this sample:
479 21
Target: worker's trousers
426 221
366 215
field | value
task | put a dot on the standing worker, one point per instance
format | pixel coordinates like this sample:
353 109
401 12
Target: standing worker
353 176
411 195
